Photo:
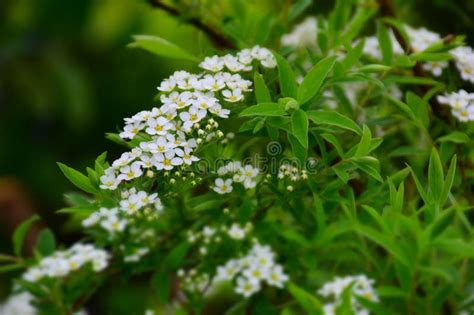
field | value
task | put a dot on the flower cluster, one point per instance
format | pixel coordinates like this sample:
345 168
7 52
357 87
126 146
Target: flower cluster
362 287
241 62
464 59
252 270
169 134
209 235
115 219
61 263
461 103
302 35
235 172
21 304
293 173
192 280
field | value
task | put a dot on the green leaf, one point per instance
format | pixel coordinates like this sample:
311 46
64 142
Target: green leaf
298 8
299 126
435 176
419 187
333 140
448 182
46 242
314 79
385 43
353 55
374 68
20 234
384 241
264 109
424 56
400 28
78 179
322 117
441 223
419 108
404 108
261 91
161 47
286 77
411 80
100 164
364 144
455 137
366 166
308 301
358 22
298 150
176 256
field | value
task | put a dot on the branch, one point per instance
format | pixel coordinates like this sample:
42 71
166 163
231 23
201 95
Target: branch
440 111
217 38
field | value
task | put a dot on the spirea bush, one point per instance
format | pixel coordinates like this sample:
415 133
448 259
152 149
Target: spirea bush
330 172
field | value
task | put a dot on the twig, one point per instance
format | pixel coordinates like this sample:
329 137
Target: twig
387 10
217 38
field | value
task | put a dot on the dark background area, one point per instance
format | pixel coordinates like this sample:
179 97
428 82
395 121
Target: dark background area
66 78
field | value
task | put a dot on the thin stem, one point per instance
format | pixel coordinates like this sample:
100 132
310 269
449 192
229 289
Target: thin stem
217 38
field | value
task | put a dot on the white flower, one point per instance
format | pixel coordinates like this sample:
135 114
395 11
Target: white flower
167 85
18 304
236 232
214 64
256 273
276 277
228 271
436 68
114 224
130 131
191 117
129 172
109 180
158 126
465 114
168 160
223 187
233 96
246 287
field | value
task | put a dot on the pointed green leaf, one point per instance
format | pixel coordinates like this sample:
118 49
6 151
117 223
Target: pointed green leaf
435 176
286 77
264 109
314 79
161 47
46 242
448 183
385 43
261 91
322 117
306 300
20 234
299 126
77 178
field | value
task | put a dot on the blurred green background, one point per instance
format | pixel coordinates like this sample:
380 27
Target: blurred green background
66 78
